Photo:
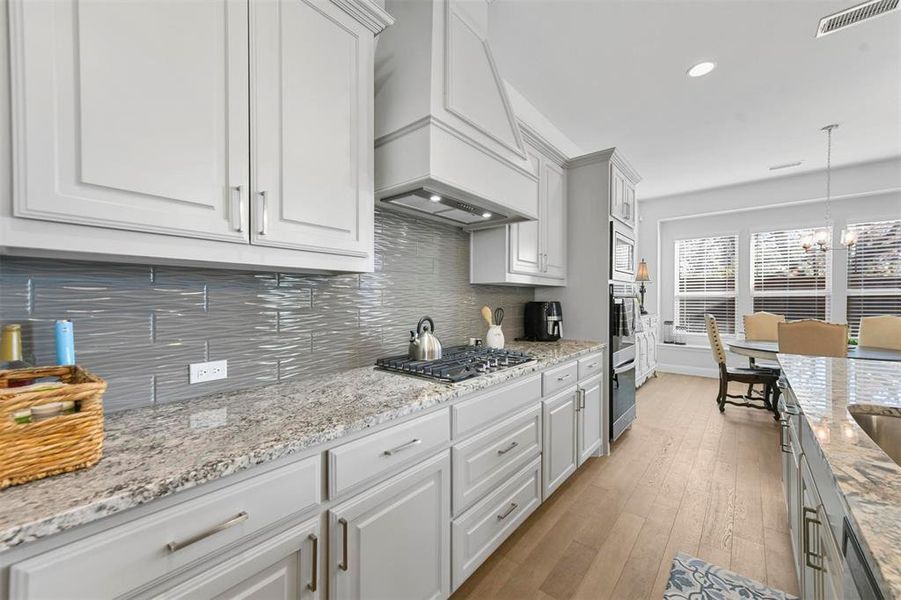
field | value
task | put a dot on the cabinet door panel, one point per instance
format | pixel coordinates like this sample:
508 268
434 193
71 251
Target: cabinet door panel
590 419
312 116
554 220
397 537
119 126
560 456
525 238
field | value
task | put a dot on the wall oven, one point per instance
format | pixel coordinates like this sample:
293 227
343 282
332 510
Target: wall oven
622 252
623 311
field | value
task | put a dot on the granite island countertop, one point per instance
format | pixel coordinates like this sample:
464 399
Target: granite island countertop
153 452
868 480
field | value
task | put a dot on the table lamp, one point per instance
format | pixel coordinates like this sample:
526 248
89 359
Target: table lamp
642 276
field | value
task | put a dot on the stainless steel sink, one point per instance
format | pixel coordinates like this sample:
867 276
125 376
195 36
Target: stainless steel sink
884 430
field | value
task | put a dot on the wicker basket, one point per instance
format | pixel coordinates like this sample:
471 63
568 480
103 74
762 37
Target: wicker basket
55 445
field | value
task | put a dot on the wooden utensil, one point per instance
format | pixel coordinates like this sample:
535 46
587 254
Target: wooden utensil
486 314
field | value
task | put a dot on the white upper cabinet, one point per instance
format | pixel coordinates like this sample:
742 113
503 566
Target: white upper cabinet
312 123
117 125
622 195
530 252
171 127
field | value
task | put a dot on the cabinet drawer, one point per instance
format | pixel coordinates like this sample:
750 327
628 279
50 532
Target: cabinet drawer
559 378
378 454
485 460
590 366
144 550
472 415
479 531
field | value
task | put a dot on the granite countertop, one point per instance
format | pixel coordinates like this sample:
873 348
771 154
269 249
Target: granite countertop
867 478
157 451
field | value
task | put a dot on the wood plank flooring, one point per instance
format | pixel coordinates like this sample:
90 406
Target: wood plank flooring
685 478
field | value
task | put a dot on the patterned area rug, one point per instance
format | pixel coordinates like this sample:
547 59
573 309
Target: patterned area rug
691 578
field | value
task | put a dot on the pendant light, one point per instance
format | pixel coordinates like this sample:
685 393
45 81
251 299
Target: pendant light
822 237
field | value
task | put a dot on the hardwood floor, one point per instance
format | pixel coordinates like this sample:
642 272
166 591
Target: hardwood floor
684 478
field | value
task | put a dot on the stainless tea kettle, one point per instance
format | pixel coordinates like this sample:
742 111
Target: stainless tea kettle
423 344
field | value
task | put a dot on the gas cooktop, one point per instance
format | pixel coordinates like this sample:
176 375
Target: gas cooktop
456 364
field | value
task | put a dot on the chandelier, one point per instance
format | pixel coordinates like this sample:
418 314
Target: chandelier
822 237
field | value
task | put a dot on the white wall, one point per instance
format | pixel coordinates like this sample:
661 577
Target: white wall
863 192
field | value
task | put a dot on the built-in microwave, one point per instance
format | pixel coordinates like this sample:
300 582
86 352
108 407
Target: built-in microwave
622 252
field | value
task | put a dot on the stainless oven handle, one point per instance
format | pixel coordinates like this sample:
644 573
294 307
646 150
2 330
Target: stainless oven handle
623 368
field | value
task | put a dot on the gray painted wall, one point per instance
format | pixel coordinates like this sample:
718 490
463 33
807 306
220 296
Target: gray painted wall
139 326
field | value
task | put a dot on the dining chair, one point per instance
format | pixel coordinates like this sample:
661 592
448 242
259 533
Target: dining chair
813 338
748 375
762 326
883 331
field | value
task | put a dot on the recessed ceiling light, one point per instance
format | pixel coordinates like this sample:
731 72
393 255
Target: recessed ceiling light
701 69
486 215
435 198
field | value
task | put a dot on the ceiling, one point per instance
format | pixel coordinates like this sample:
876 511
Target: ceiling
613 73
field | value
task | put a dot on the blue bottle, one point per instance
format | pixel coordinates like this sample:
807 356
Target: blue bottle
65 343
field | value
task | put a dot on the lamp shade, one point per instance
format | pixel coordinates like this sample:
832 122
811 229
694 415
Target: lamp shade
642 274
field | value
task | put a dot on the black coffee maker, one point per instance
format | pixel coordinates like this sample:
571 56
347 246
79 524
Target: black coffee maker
543 321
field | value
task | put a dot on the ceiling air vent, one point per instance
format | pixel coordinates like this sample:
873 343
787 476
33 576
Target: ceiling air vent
855 15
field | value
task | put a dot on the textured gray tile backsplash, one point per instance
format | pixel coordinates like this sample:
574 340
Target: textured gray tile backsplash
139 326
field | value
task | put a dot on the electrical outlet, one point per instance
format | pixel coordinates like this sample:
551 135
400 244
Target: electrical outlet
208 371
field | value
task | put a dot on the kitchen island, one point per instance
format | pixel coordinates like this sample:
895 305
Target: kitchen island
857 481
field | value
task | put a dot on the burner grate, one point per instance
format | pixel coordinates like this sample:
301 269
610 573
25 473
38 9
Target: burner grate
457 364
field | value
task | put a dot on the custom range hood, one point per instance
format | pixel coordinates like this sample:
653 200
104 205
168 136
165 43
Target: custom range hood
447 147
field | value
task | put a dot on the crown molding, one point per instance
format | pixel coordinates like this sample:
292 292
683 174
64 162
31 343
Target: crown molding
535 139
374 17
611 155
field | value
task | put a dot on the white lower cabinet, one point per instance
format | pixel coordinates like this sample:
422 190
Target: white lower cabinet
589 417
478 532
392 542
561 456
286 566
646 349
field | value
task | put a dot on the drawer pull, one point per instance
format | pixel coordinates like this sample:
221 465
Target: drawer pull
783 427
343 564
564 377
508 448
513 506
314 583
402 447
593 365
808 554
238 518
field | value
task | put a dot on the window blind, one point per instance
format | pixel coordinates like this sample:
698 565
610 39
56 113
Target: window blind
785 279
874 272
705 282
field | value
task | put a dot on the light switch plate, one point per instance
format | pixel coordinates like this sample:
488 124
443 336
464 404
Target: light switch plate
208 371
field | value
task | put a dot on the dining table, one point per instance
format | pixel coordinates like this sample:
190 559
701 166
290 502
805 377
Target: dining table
768 350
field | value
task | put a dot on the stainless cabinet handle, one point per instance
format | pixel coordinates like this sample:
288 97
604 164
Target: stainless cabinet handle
593 365
508 448
264 212
238 518
239 208
564 377
582 394
402 447
314 583
783 429
513 506
806 539
343 564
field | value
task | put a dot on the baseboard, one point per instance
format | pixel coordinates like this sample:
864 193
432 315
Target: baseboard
688 370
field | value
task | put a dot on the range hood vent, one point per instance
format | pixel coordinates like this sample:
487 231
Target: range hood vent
854 15
444 125
437 207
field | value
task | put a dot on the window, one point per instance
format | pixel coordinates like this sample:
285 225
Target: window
785 279
874 272
705 282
